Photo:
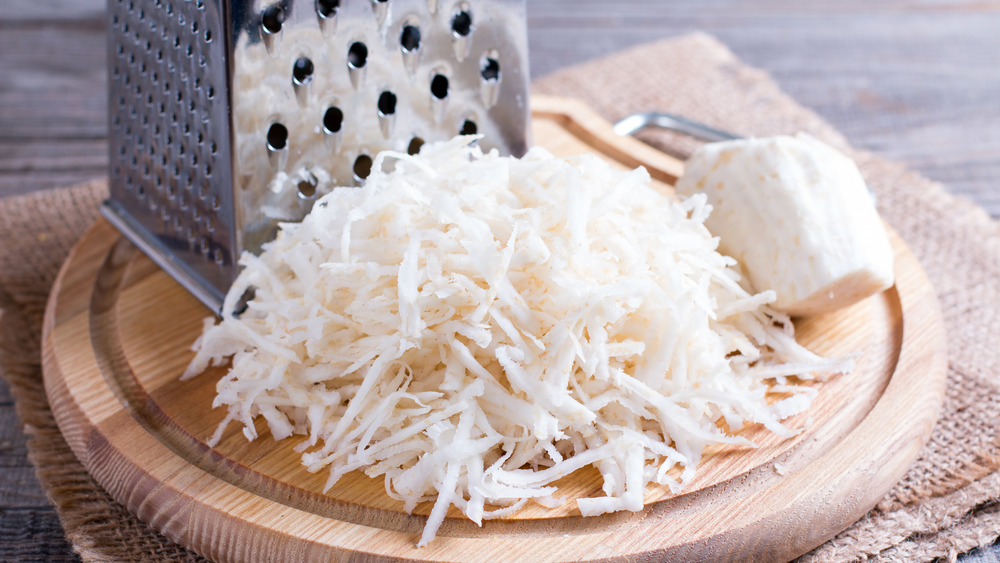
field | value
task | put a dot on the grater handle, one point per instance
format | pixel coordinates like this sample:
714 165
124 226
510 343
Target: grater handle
638 121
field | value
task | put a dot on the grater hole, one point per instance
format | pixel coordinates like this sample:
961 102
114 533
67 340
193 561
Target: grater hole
461 23
362 167
327 8
302 70
271 19
218 257
277 137
490 69
333 120
386 104
307 189
208 36
409 39
439 86
244 301
357 55
414 146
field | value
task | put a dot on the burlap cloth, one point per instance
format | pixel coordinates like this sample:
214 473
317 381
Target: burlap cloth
945 505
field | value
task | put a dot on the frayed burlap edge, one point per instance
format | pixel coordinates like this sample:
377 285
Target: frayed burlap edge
39 230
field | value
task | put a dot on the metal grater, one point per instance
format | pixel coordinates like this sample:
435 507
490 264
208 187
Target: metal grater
230 116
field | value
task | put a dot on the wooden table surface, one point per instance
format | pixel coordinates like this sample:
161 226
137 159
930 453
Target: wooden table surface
916 81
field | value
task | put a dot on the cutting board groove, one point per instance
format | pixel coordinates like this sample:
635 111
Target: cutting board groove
118 333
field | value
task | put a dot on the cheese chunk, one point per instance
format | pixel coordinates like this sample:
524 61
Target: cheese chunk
797 215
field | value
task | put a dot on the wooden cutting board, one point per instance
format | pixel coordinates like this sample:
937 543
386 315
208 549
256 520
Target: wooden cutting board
117 337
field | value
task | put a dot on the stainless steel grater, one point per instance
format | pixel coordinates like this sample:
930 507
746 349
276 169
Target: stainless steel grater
230 116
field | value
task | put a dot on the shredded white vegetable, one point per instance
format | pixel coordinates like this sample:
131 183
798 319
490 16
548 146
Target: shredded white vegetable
474 327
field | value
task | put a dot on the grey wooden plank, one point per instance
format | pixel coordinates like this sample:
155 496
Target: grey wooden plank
19 488
45 164
18 11
54 82
28 535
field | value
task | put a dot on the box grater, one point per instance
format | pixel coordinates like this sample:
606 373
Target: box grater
228 117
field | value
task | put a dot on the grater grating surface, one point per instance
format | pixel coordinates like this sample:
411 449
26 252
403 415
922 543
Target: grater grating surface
228 117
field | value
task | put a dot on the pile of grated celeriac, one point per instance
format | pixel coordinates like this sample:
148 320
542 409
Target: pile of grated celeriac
474 327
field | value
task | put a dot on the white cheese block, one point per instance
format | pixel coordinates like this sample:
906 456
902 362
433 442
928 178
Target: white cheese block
797 215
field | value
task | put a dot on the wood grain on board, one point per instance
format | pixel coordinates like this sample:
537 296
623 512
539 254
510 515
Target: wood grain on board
118 335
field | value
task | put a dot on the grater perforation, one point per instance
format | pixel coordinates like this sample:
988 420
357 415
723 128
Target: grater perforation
229 116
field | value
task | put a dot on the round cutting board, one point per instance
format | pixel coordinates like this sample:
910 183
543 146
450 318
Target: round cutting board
118 333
